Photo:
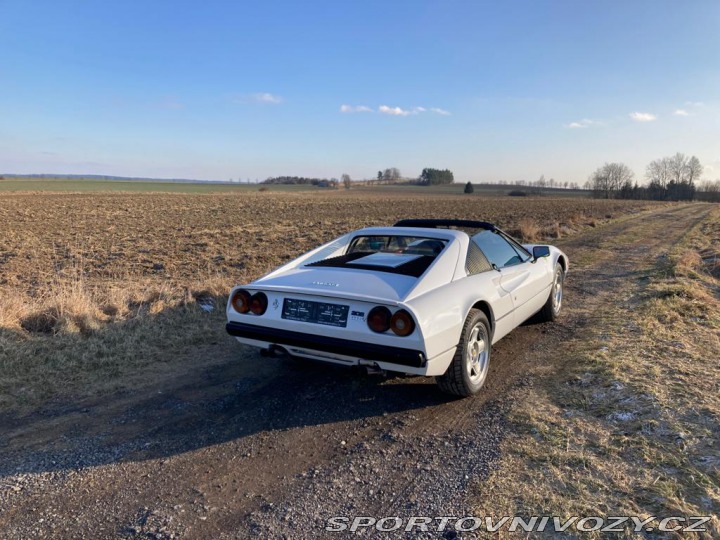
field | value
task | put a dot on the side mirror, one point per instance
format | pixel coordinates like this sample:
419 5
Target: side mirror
541 251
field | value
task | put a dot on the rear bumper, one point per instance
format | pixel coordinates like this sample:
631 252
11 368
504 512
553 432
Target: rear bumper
346 347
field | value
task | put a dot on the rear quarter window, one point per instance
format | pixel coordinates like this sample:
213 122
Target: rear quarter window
476 261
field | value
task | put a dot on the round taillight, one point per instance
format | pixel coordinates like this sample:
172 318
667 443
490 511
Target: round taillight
379 319
402 323
241 301
258 303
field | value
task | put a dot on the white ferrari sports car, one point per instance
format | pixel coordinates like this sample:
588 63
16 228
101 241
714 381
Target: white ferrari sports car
423 297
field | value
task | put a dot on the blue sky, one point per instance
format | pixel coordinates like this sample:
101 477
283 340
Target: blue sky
491 90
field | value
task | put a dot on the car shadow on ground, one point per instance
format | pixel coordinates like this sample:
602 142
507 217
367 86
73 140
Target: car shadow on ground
229 401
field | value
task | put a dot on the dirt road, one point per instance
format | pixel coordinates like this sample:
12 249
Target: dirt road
268 448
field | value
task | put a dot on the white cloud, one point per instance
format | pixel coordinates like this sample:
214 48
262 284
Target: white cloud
691 108
266 97
354 108
642 116
394 111
398 111
581 124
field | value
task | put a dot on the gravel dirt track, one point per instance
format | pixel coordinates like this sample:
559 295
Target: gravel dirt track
270 448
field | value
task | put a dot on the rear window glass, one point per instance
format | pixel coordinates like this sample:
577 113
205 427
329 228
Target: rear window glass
409 245
407 255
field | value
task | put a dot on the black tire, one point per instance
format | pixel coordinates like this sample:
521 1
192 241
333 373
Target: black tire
551 310
465 377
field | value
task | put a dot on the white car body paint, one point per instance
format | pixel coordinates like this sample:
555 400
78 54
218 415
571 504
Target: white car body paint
439 300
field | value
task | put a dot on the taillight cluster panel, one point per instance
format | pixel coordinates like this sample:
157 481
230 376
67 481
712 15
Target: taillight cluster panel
380 320
244 302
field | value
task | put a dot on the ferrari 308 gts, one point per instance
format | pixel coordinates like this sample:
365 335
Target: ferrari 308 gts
424 297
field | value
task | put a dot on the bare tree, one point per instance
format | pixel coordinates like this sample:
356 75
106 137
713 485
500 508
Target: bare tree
683 169
346 180
609 179
678 167
695 170
391 175
673 178
659 172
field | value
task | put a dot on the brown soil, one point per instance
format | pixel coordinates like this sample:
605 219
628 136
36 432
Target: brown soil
202 454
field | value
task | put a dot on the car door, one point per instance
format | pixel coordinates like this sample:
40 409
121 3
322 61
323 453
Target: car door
531 288
486 280
520 277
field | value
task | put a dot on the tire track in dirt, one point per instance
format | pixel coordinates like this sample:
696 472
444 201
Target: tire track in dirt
516 354
519 349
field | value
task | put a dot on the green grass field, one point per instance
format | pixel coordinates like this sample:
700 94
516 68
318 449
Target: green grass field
93 185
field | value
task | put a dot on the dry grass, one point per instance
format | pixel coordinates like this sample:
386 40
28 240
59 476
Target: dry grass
76 340
529 230
97 289
630 425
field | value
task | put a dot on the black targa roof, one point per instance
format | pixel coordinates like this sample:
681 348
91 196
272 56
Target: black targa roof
436 223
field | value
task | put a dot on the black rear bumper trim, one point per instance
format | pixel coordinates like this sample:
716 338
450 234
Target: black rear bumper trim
346 347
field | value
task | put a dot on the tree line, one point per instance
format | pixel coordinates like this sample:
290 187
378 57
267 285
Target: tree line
708 191
673 178
391 175
435 177
301 180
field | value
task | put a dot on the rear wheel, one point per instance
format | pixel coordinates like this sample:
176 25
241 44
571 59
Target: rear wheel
551 309
469 368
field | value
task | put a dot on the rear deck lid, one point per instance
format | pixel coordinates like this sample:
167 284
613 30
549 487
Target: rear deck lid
342 283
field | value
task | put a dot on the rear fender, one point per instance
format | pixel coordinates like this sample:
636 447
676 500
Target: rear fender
441 320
